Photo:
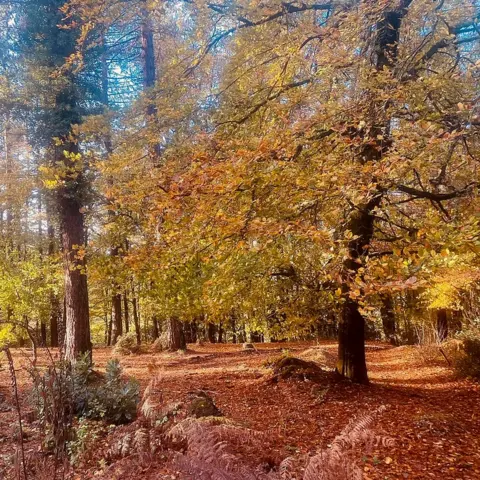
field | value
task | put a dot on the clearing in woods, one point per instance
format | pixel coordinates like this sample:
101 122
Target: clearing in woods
433 417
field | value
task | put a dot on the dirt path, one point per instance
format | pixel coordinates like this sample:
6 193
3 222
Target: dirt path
433 418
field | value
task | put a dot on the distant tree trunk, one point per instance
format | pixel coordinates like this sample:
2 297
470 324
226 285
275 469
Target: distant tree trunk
155 327
256 337
211 329
175 335
220 333
55 313
43 334
126 313
106 339
242 335
233 327
191 332
109 330
136 319
442 324
54 318
387 313
117 317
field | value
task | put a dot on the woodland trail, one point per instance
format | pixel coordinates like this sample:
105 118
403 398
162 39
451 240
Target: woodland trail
433 417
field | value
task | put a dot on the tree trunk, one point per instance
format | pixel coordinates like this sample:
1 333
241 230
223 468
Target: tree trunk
55 312
387 313
211 329
233 326
117 317
175 335
43 334
351 345
442 324
54 318
191 332
220 333
77 322
125 310
155 327
136 319
109 330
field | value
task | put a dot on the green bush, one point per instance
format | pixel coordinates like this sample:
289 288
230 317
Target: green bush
126 344
64 391
468 364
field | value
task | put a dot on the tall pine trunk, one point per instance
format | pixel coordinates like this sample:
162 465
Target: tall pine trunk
77 322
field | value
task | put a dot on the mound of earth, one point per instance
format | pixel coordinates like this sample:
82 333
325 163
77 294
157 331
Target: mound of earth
286 367
320 355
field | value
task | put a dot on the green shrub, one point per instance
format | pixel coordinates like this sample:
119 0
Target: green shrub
468 364
64 391
127 344
116 399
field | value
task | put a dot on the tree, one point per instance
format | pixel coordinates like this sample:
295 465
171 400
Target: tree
60 112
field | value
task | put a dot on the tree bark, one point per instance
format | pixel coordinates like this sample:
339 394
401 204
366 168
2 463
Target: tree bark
175 335
77 322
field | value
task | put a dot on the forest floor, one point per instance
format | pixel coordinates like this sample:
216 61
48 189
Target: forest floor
433 417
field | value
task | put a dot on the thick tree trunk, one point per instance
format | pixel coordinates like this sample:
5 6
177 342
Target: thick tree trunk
175 335
351 344
442 324
387 313
77 322
351 330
